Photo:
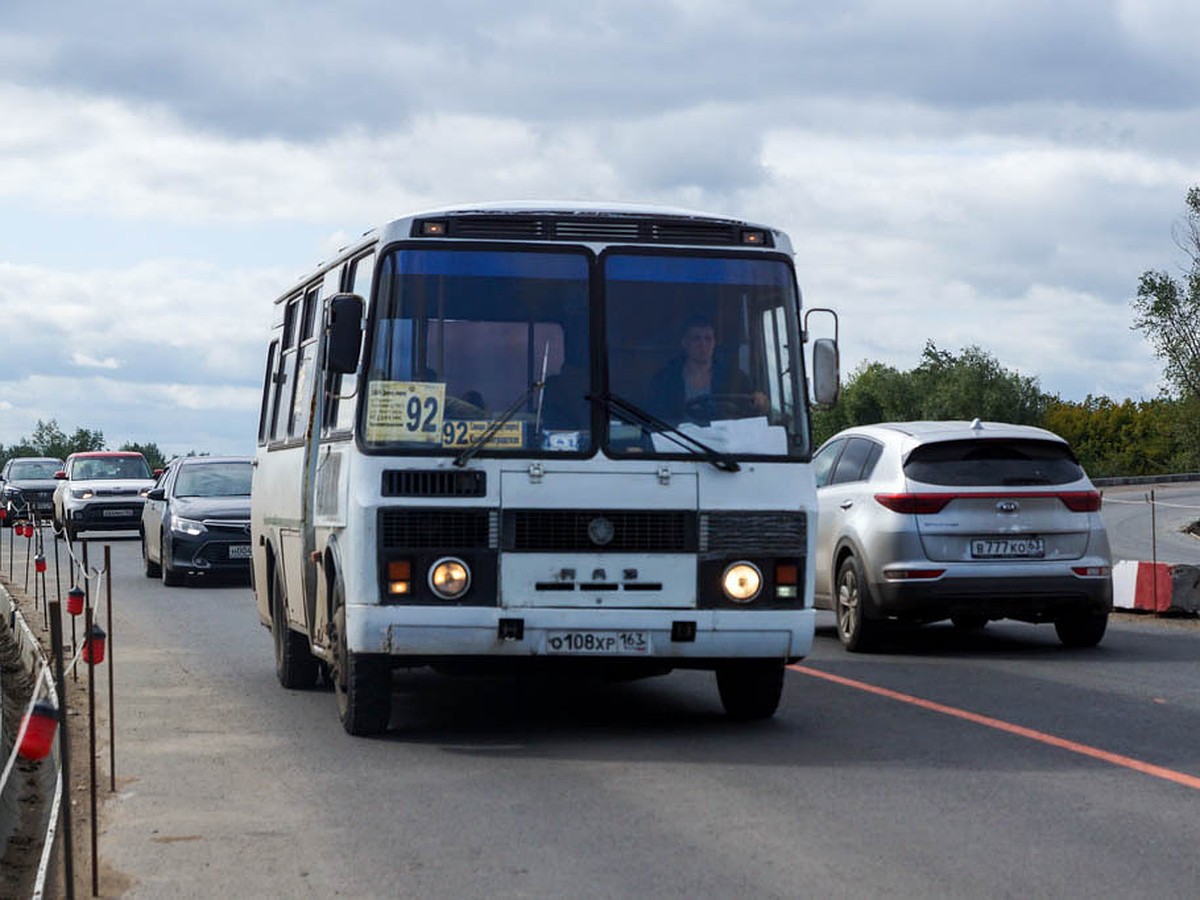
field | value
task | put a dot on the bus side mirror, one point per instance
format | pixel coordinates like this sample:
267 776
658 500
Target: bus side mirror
345 333
826 377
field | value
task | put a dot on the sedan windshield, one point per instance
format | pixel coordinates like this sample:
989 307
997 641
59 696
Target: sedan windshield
216 479
34 469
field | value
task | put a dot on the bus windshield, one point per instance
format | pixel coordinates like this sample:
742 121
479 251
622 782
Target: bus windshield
698 343
709 345
460 335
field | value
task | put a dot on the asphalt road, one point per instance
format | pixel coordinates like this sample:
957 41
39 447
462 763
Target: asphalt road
988 765
1136 534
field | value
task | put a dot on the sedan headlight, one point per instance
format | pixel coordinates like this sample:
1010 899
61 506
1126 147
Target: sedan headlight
187 526
741 582
449 578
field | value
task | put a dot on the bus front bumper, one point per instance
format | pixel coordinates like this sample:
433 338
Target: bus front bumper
662 635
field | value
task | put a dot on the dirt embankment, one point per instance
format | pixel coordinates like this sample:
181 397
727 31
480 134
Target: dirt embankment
26 803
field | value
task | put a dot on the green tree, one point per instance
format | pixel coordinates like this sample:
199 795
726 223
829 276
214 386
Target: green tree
945 385
1167 310
153 455
50 440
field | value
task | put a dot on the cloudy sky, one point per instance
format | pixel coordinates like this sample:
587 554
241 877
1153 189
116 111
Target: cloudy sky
992 173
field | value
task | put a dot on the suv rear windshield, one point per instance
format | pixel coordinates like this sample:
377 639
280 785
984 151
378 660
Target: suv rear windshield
998 462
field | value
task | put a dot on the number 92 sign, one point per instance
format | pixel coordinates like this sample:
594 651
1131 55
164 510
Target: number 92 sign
409 411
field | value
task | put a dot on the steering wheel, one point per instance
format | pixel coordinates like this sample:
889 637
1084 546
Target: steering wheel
707 407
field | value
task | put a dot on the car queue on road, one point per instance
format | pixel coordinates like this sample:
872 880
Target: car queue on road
192 517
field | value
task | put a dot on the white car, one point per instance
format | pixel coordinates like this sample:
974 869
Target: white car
101 490
968 521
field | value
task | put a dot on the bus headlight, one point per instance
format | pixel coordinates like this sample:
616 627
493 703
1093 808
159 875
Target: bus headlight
741 582
449 578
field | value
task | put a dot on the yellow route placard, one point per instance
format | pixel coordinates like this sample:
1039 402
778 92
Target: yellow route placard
409 411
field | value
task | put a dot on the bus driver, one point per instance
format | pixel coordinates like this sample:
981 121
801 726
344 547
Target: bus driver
698 385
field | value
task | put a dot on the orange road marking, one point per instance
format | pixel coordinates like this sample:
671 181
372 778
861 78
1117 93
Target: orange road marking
1115 759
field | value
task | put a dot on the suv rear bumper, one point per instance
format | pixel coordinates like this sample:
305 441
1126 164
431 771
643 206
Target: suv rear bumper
1033 598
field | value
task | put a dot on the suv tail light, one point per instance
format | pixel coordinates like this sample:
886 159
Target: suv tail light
928 504
1081 501
915 504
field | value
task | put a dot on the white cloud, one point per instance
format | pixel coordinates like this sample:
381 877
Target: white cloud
85 361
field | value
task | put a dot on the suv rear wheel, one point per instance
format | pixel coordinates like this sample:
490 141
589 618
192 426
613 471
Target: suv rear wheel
1081 629
857 633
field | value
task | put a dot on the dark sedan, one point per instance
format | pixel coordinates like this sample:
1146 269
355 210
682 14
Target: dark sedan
197 519
27 487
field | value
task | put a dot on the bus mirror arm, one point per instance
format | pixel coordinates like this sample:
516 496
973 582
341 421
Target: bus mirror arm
345 333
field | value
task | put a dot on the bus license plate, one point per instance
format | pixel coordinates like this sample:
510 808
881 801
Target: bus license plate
1008 548
239 551
605 643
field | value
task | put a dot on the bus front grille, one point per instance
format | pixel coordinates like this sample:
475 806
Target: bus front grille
439 529
599 531
753 532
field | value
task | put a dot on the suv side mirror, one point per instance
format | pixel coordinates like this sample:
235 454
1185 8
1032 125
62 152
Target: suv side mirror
60 475
156 494
345 333
826 376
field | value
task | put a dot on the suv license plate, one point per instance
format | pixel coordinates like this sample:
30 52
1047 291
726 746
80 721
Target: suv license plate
116 513
607 643
239 551
1008 548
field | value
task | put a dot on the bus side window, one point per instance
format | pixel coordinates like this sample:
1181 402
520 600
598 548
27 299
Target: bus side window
298 420
265 413
285 375
340 416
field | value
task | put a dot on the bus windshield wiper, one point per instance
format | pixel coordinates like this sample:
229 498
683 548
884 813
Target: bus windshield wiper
498 423
693 445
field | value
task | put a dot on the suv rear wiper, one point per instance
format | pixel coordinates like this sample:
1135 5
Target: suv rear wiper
669 431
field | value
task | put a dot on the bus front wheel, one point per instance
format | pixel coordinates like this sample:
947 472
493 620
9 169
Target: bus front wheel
750 689
363 684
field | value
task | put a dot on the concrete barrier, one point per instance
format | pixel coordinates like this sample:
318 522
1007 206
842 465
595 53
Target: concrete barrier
1156 587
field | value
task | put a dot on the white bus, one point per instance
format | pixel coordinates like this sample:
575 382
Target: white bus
573 437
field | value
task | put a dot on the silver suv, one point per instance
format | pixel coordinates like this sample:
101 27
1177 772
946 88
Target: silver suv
967 521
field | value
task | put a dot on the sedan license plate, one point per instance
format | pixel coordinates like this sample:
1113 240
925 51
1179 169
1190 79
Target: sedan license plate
239 551
1008 548
607 643
116 513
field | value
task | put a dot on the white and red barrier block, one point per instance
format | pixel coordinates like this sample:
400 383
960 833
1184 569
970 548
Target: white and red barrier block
1156 587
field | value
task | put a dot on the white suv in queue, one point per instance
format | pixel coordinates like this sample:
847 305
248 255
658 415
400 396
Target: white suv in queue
968 521
101 490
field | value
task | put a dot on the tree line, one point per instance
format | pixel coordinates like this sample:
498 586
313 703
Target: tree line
49 439
1110 437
